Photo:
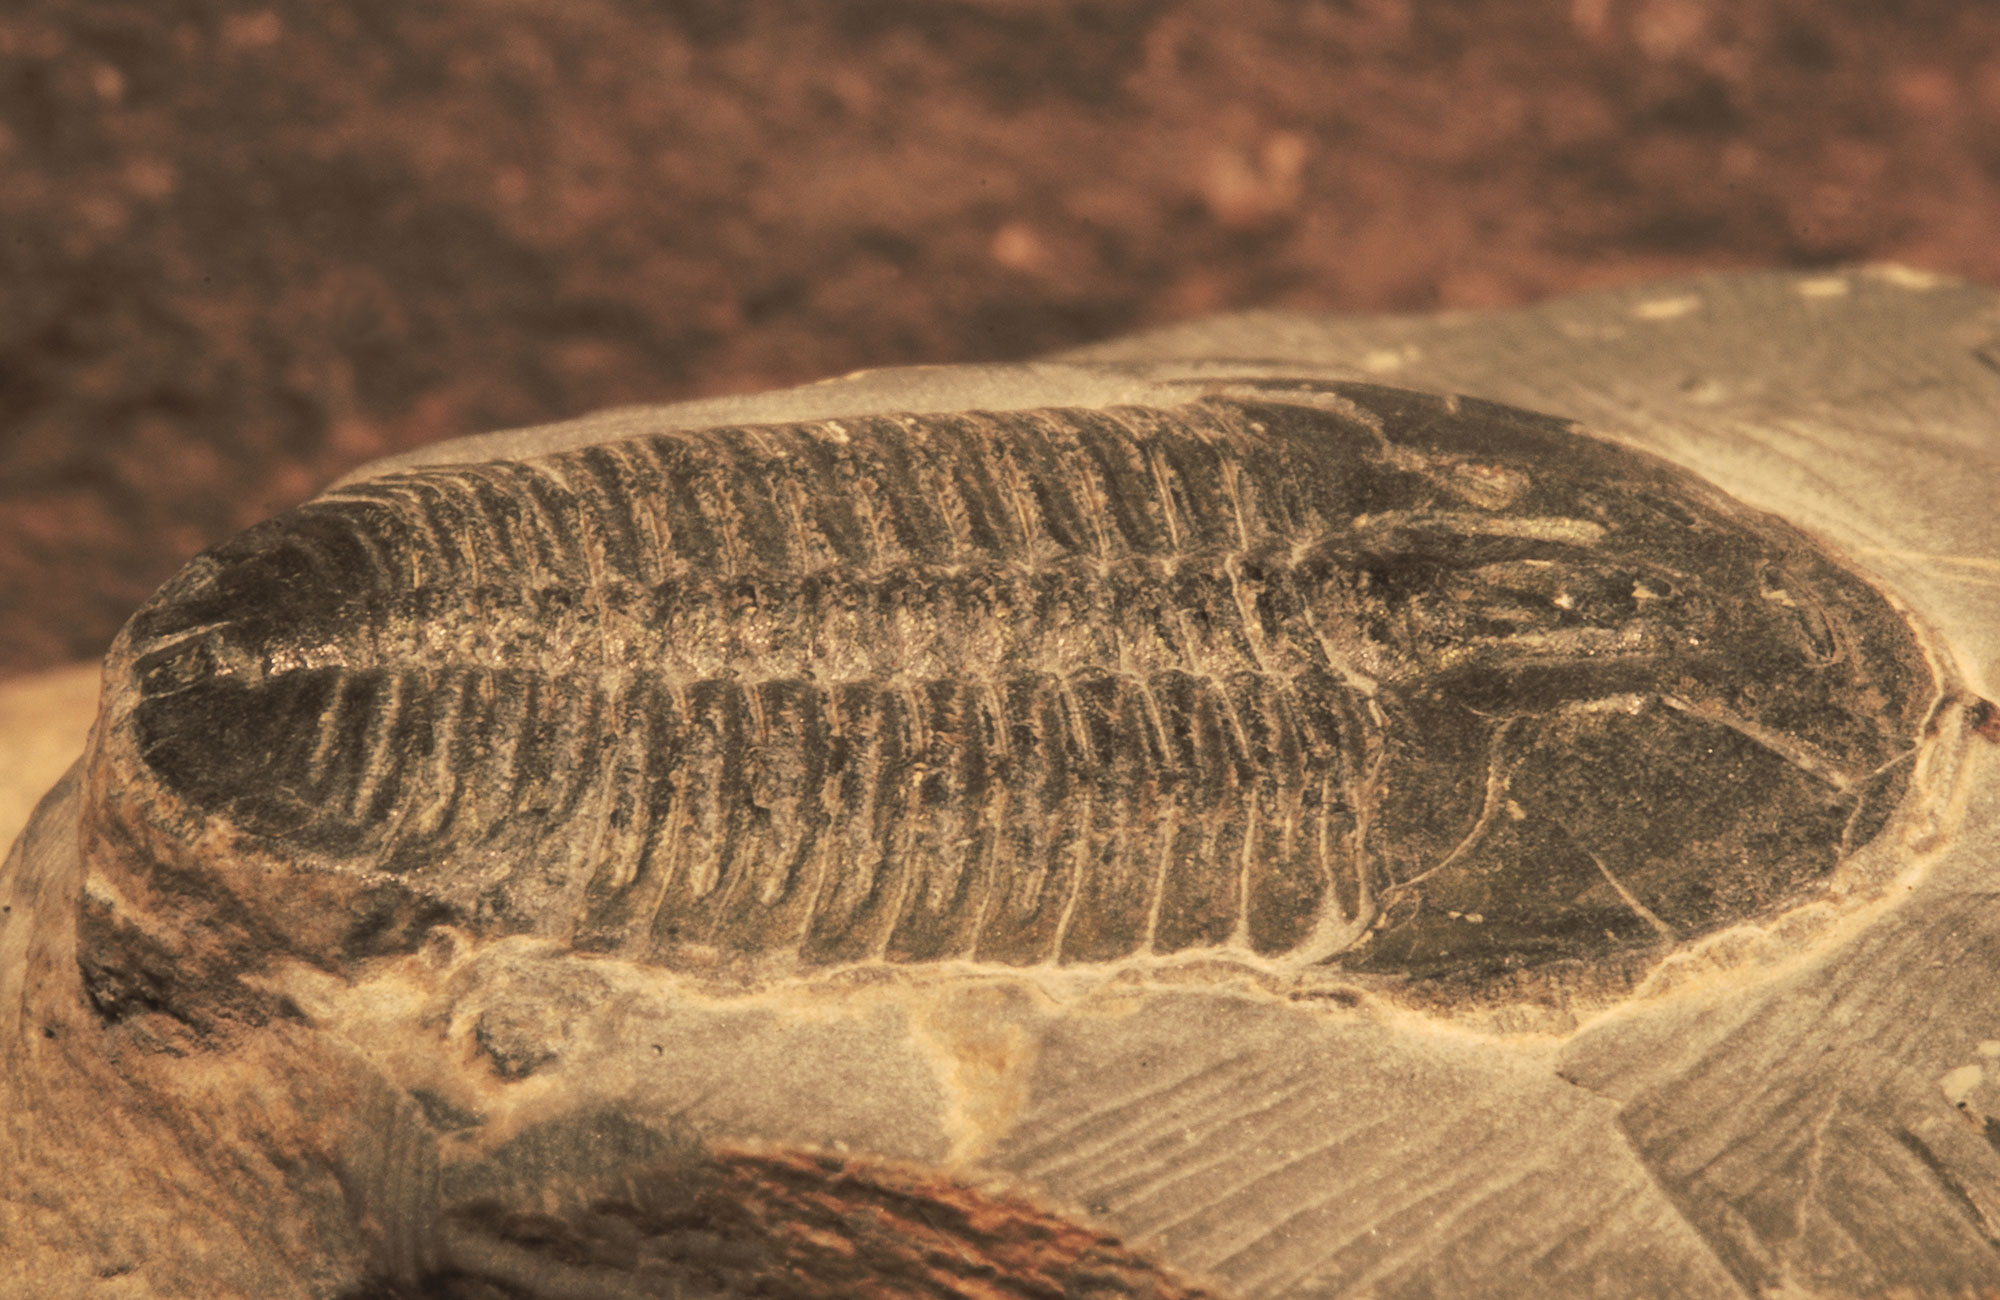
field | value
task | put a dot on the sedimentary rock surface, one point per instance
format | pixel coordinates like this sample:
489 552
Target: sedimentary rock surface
1154 824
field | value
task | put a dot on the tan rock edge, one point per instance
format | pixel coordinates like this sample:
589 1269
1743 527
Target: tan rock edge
44 719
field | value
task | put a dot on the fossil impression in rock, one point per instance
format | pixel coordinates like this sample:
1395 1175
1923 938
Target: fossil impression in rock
1327 674
1148 824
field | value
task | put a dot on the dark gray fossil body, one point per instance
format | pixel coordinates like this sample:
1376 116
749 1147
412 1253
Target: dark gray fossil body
1338 674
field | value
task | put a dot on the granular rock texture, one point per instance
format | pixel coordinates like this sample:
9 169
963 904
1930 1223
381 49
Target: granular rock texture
1324 673
251 244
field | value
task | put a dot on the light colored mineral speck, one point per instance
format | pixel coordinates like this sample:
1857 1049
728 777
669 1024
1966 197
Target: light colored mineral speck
1667 308
1384 361
1958 1084
1908 277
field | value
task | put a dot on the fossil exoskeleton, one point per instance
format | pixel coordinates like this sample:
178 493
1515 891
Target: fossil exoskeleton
1308 673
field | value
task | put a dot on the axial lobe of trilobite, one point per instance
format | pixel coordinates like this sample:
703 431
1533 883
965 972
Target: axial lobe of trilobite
1067 685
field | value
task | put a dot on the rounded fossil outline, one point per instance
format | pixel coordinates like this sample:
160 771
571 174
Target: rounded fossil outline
1319 674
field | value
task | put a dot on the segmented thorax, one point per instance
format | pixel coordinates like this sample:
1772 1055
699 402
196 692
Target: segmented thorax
1340 674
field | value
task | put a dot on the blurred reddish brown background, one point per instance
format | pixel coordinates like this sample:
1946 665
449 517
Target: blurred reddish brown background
247 246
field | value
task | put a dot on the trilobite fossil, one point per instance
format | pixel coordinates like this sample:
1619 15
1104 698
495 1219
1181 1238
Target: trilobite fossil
1314 674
